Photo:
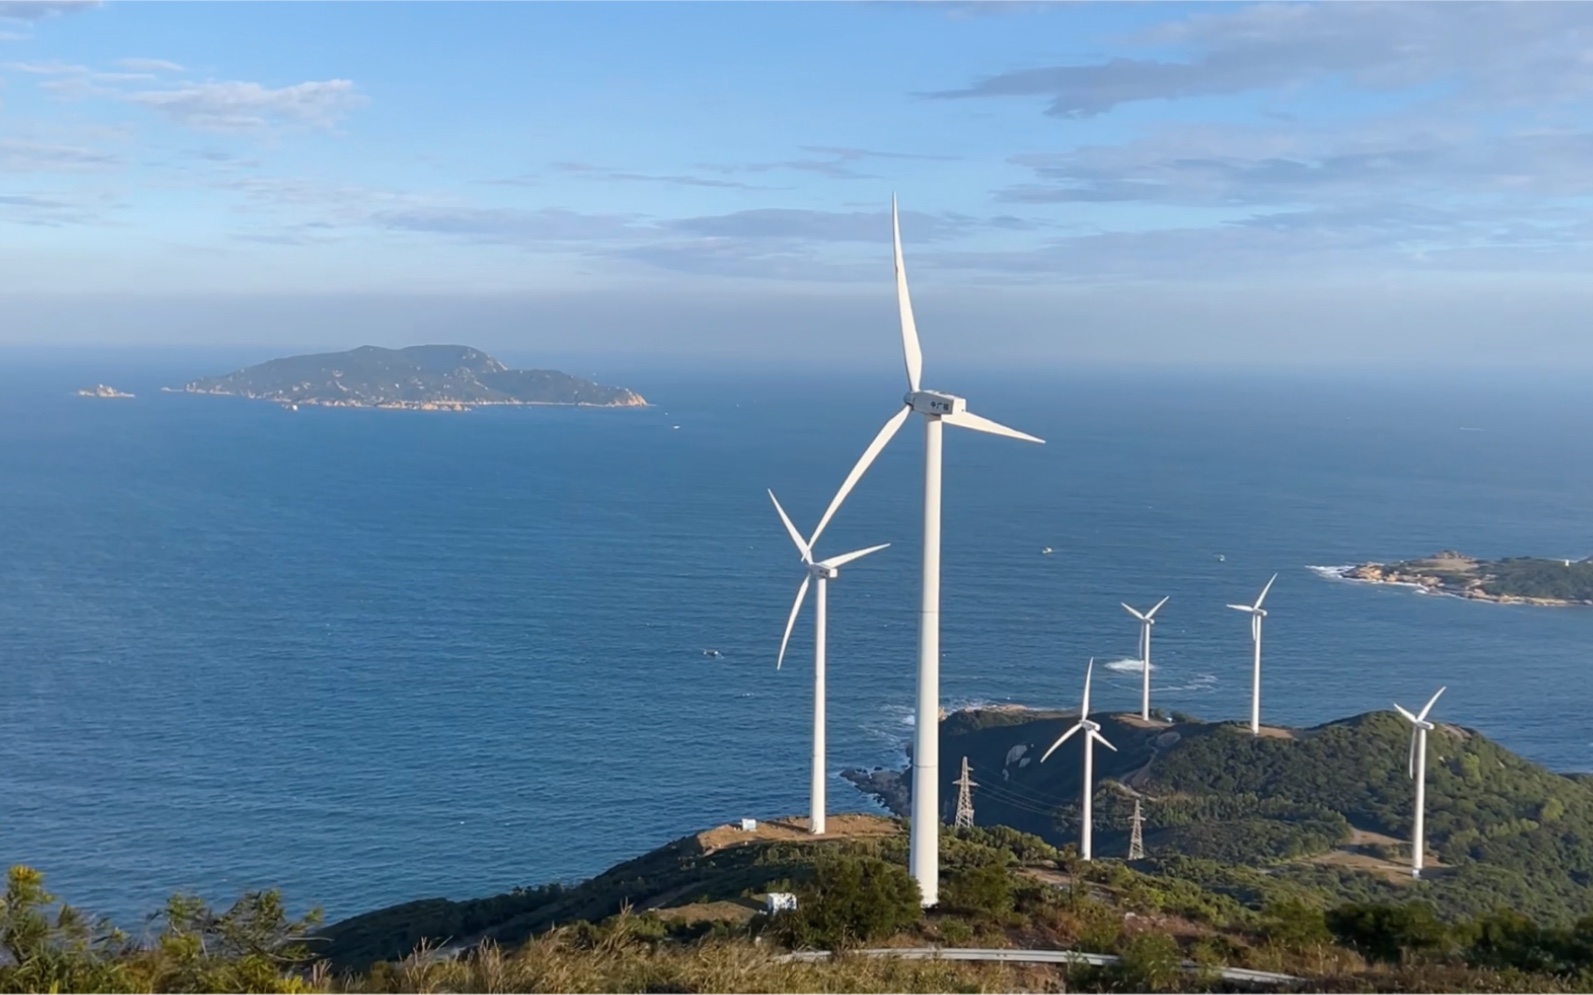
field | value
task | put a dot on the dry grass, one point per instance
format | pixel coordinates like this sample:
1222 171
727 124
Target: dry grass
795 828
560 962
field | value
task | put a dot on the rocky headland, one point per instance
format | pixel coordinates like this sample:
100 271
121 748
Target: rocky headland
101 390
418 378
1513 580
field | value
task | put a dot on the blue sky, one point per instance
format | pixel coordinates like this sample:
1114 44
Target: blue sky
1399 185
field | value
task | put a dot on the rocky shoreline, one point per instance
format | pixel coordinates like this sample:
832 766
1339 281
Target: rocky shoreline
101 390
1460 576
633 400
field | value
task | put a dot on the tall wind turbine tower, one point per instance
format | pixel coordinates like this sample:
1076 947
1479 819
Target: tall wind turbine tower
1257 613
1418 770
1092 735
823 571
965 786
1146 620
937 409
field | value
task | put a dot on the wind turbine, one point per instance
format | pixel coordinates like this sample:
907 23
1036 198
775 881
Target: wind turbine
1257 613
1418 770
938 409
1146 620
1092 732
823 571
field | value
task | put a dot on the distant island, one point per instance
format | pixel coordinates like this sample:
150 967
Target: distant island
419 378
100 390
1512 580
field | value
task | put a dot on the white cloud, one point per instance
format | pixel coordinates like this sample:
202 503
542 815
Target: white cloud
18 156
38 10
149 65
238 106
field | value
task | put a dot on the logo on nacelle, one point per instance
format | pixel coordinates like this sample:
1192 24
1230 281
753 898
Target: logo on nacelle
933 402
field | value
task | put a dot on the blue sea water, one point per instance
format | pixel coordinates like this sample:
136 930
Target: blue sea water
372 656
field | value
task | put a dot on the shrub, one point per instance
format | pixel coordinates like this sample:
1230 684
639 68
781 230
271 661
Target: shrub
852 900
1388 932
1151 962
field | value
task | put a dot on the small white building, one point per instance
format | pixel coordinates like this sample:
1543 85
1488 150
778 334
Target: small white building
749 825
779 901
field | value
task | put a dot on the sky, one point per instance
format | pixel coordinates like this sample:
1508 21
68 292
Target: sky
1401 186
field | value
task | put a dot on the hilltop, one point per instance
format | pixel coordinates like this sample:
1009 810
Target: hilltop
1324 811
1512 580
425 377
1276 853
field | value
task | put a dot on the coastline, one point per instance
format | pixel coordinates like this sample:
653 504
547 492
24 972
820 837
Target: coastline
434 405
1354 573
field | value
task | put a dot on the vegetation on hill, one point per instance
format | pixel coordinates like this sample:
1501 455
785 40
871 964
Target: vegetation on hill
426 376
1524 578
1325 811
1001 888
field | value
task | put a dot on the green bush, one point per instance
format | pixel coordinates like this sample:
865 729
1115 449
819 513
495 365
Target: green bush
851 900
1389 932
1151 962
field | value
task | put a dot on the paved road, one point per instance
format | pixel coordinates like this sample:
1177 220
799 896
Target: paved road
1032 957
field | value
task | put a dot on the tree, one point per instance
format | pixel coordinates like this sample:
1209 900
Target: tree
851 900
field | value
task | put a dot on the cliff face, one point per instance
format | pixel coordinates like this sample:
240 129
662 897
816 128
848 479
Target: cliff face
432 377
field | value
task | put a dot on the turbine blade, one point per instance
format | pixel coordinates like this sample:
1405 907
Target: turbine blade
1131 611
836 562
1153 611
1413 753
1402 711
863 463
790 623
1243 608
1063 739
967 419
911 352
796 537
1264 591
1084 712
1430 702
1102 740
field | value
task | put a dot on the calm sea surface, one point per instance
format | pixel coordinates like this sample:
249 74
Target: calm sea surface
373 656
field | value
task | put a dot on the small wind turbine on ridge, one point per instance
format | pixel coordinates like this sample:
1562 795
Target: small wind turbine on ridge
1418 770
938 409
823 571
1257 613
1146 620
1092 734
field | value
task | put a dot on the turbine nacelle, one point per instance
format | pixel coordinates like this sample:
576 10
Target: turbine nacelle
934 402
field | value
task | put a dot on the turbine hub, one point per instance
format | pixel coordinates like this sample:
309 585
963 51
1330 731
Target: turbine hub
823 572
933 402
1090 725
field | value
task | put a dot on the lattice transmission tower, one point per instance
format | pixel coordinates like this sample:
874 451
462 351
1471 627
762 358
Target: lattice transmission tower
1136 842
965 784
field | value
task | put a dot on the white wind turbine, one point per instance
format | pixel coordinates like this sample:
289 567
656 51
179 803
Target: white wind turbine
1146 620
937 408
823 571
1092 733
1257 613
1418 770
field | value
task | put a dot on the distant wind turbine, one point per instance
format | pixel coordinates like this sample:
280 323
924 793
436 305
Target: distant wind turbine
1257 613
1146 620
823 571
1092 733
1418 770
937 408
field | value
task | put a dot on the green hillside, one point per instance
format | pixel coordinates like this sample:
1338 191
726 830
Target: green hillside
1327 808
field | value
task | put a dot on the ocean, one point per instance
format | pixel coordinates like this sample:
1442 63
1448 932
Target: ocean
369 656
